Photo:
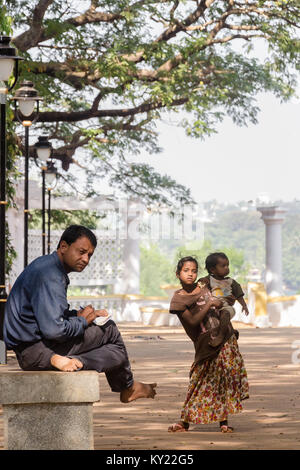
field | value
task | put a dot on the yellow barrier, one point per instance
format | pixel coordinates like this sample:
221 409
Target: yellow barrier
282 298
261 299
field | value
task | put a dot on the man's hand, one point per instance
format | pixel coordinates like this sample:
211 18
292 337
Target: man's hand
89 313
101 313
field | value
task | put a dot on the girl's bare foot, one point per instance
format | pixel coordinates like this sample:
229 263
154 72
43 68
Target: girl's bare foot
138 390
179 427
65 364
224 426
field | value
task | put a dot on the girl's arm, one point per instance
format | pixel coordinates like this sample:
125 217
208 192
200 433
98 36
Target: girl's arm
194 319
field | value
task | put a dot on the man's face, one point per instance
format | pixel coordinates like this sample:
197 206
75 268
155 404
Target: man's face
76 256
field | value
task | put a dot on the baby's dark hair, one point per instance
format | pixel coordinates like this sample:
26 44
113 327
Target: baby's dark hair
185 260
212 260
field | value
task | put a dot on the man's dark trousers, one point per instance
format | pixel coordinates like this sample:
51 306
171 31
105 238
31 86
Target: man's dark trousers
101 348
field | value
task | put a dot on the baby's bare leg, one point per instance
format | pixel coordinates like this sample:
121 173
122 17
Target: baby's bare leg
224 323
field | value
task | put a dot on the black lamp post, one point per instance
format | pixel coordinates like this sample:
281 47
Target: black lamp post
50 176
26 97
8 62
43 150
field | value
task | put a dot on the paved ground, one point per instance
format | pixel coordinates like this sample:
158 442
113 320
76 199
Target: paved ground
271 417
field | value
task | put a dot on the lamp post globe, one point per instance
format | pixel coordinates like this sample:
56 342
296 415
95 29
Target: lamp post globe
50 174
26 97
43 148
8 59
50 177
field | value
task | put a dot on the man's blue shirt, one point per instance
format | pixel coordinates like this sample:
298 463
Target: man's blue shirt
37 306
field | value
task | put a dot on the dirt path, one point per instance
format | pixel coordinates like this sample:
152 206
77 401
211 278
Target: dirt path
271 417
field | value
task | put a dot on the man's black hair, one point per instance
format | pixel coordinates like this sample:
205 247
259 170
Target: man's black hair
73 232
212 260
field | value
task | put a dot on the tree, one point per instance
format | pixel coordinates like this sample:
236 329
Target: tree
243 230
291 252
156 270
13 151
110 70
60 219
238 266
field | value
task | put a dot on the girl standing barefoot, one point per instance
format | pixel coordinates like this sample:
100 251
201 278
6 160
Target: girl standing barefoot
218 378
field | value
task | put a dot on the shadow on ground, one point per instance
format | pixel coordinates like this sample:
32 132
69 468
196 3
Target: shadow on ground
271 417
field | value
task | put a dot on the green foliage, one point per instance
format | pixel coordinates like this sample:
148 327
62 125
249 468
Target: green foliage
242 230
12 151
291 251
158 269
60 219
241 235
238 266
111 71
12 174
155 270
5 22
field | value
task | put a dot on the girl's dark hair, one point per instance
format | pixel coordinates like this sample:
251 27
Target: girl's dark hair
73 232
185 260
212 260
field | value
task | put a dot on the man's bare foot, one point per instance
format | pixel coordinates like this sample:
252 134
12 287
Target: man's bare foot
138 390
65 364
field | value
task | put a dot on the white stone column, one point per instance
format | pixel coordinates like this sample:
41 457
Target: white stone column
15 220
130 284
131 281
131 213
273 217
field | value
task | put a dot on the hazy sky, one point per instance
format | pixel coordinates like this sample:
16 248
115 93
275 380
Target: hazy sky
238 163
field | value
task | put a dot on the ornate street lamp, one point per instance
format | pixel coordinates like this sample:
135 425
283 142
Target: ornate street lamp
27 98
50 177
8 62
43 150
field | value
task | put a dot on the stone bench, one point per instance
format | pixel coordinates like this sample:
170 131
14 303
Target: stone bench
48 410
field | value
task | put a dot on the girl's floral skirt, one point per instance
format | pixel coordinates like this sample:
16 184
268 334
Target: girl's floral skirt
217 387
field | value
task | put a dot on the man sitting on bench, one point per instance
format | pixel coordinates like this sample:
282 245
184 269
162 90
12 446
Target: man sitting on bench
46 335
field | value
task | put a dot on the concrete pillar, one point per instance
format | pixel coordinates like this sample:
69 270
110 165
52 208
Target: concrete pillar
48 410
273 218
15 220
130 283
